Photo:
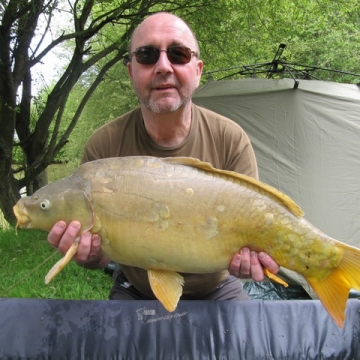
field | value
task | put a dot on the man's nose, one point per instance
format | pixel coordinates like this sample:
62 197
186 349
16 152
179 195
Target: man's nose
163 64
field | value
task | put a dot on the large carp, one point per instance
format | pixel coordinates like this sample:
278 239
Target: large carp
181 215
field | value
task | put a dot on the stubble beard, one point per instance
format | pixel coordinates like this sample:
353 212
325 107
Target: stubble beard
158 107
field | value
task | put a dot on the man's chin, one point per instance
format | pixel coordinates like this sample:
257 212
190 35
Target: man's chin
164 108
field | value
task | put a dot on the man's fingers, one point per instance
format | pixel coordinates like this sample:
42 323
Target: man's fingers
245 266
234 268
240 265
248 263
56 233
268 262
69 236
257 271
62 237
95 245
84 249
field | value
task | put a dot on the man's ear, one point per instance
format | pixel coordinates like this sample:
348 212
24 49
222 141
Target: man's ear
199 69
129 67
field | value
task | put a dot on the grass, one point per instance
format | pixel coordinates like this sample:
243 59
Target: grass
20 254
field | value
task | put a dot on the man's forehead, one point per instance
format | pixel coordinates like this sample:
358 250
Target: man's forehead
159 28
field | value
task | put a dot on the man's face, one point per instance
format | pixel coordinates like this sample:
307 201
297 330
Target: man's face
164 87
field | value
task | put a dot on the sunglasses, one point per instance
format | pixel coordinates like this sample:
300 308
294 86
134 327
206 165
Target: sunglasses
149 55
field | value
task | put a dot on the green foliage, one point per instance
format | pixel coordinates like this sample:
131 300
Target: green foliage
232 34
113 97
323 34
22 253
92 87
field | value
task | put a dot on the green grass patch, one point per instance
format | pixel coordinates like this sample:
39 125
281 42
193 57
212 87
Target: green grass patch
20 254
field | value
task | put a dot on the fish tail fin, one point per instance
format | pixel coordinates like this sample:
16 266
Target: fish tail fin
333 291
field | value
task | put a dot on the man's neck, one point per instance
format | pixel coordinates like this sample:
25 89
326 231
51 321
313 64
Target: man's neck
170 129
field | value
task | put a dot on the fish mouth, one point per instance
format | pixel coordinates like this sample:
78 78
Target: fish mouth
23 220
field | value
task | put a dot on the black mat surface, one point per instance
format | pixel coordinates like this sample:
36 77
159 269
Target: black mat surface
62 329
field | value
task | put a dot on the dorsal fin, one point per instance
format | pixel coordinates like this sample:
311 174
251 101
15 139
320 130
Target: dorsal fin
285 200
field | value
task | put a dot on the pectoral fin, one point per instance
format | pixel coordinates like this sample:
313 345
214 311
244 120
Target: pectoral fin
275 278
166 286
62 262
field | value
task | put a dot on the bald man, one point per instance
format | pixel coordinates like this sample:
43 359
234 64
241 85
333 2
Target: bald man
165 69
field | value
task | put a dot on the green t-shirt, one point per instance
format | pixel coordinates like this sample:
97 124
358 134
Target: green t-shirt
212 138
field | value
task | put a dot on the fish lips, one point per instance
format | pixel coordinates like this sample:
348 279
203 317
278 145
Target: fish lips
23 220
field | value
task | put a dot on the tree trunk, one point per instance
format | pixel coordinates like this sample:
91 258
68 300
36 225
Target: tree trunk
9 195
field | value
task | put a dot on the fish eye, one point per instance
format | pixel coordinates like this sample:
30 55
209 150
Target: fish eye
45 204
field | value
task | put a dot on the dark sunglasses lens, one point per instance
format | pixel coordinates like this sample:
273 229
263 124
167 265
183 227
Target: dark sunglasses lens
147 55
179 55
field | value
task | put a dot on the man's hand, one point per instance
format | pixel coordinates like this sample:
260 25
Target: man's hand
250 264
89 253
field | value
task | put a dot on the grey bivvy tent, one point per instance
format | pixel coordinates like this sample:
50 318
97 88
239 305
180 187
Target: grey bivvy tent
307 143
